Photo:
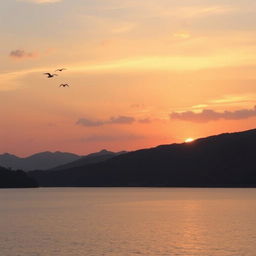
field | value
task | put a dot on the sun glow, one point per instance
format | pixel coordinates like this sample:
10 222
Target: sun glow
189 140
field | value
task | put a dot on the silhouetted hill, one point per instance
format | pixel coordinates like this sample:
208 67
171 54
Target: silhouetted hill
226 160
42 161
15 179
97 157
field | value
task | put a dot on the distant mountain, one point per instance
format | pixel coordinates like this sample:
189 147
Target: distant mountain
97 157
42 161
226 160
15 179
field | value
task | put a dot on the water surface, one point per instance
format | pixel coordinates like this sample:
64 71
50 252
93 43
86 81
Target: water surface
127 222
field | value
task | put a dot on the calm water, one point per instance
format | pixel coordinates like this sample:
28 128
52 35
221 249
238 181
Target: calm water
127 221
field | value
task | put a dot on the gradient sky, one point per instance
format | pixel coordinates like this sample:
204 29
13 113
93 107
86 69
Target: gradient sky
142 73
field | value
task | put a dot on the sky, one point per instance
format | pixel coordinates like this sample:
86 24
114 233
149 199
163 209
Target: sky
141 73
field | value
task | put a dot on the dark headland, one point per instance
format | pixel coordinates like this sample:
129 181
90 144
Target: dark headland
15 179
226 160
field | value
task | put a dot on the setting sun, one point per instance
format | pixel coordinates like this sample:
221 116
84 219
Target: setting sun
188 140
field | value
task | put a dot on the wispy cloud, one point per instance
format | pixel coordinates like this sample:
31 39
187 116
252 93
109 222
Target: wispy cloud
175 63
121 120
182 35
109 138
202 11
89 122
112 120
149 63
210 115
145 121
234 99
189 10
9 80
21 54
227 100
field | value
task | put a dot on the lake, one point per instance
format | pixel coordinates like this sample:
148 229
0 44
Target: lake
127 222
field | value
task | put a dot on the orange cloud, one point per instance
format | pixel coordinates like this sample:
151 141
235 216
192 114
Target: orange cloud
210 115
113 120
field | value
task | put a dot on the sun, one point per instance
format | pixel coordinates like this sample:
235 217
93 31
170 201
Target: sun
189 140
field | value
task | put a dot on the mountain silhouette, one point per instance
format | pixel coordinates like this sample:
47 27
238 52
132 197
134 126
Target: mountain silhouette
15 179
226 160
97 157
42 161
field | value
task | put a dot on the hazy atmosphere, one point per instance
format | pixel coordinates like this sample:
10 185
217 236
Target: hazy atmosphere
141 73
128 127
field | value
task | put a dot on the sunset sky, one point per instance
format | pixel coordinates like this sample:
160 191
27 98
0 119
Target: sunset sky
141 73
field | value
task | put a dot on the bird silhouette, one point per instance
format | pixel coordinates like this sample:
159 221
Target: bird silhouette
60 69
50 75
64 85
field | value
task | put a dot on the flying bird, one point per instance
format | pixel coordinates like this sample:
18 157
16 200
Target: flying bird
64 85
60 69
50 75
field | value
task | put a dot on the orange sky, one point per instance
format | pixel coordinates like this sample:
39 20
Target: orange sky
141 73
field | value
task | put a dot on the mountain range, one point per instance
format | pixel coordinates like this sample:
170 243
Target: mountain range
89 159
53 160
226 160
